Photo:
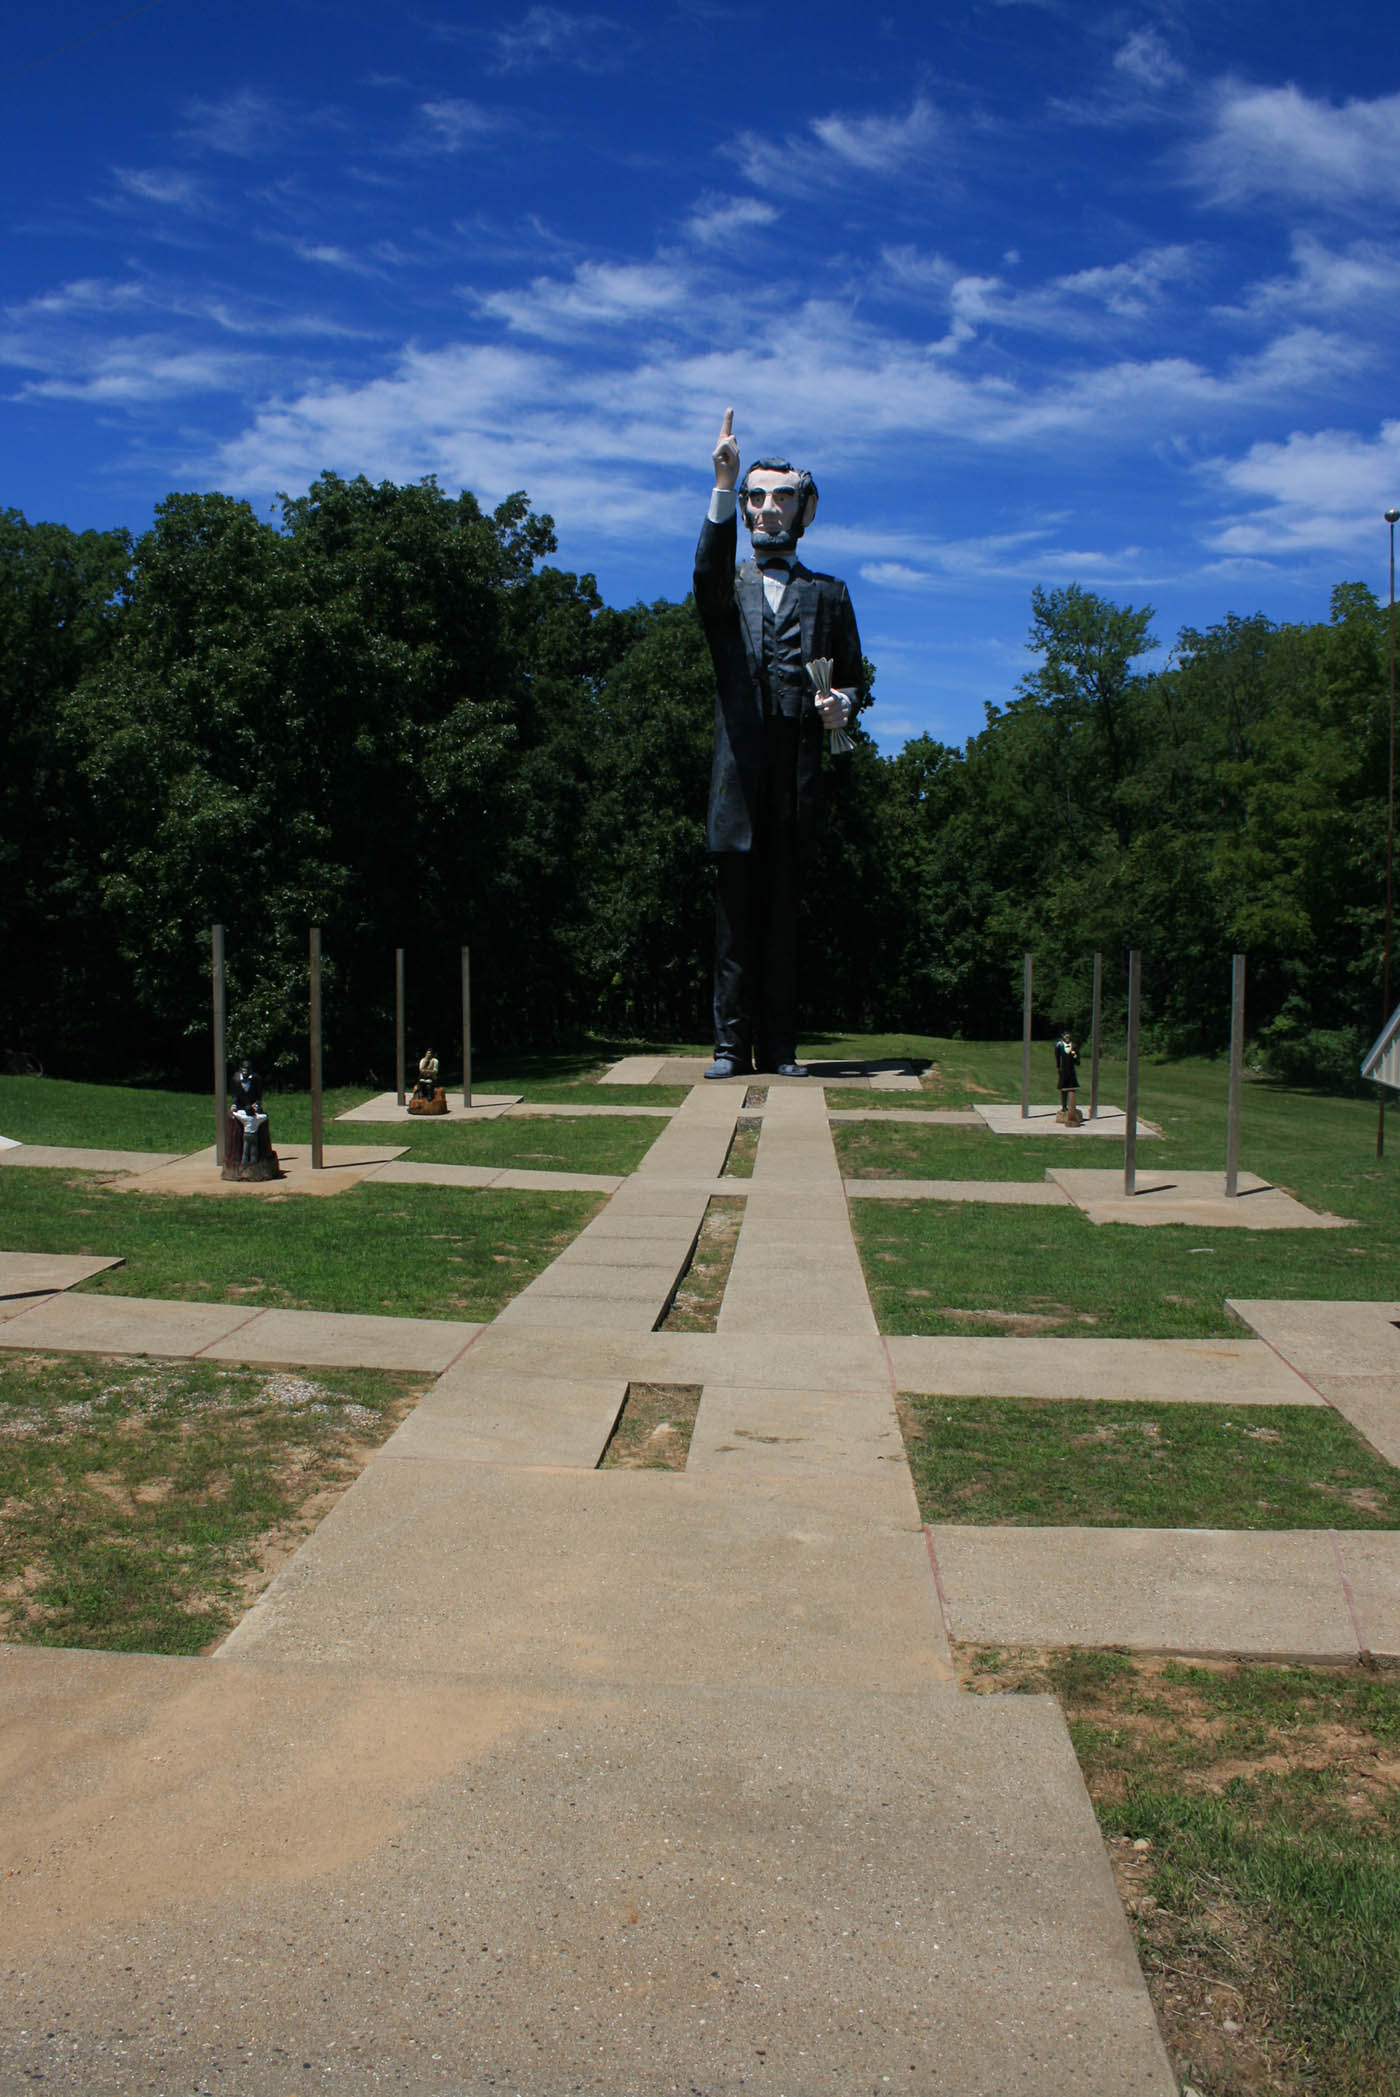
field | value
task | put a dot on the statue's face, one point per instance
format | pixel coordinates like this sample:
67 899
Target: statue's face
770 507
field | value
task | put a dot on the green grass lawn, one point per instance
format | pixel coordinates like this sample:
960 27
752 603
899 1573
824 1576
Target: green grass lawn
1253 1824
1041 1463
410 1252
936 1268
553 1143
139 1499
122 1117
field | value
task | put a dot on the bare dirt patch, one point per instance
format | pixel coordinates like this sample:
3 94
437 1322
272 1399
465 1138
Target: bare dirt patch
653 1429
700 1290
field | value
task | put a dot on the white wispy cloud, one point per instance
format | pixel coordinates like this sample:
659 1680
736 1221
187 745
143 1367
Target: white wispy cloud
245 124
450 125
597 295
718 222
1278 142
1079 303
550 36
1147 61
836 147
176 187
1313 491
134 371
1361 278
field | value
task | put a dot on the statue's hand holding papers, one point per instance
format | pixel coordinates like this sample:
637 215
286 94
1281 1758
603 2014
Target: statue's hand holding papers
833 706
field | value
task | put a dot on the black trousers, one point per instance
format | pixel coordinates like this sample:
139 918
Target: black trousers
756 918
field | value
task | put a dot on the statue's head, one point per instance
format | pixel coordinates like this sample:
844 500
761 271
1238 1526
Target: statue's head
778 504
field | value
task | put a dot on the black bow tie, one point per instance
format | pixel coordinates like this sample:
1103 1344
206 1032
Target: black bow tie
775 567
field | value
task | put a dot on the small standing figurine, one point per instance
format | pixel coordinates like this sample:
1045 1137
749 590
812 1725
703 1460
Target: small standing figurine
248 1152
428 1095
1067 1078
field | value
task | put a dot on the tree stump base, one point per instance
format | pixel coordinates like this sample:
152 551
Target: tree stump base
436 1105
260 1169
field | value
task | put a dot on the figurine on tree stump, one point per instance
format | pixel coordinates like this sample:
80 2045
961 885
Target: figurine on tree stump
428 1096
248 1152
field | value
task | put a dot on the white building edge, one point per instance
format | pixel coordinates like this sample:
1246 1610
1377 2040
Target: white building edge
1382 1059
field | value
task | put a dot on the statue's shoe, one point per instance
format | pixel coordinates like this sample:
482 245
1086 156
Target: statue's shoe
792 1070
728 1067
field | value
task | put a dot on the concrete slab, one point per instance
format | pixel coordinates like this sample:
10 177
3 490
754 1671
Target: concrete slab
795 1266
645 1578
332 1340
1024 1194
1196 1372
345 1165
895 1081
1278 1596
524 1181
785 1362
1007 1120
85 1159
1346 1338
1349 1354
756 1430
1189 1197
635 1070
581 1314
559 1110
1370 1562
527 1421
939 1117
384 1107
123 1325
9 1142
228 1875
599 1281
24 1275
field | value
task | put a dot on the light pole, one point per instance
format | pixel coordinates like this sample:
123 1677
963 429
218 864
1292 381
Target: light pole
1392 518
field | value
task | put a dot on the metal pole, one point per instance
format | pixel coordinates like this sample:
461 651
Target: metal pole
398 1024
466 1026
1026 1040
1094 1030
216 941
1392 518
317 1154
1232 1138
1130 1103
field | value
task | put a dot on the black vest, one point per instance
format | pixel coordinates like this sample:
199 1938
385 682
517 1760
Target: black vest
785 683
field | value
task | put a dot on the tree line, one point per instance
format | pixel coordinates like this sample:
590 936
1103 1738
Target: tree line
389 715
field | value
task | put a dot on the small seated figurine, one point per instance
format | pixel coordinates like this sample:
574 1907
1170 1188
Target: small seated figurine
248 1152
1067 1078
428 1095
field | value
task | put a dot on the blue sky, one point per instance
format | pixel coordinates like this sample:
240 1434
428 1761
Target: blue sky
1042 293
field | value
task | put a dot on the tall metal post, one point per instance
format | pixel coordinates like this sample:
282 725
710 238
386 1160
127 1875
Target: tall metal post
317 1153
1094 1029
1392 518
398 1025
466 1026
216 942
1026 1040
1131 1099
1232 1136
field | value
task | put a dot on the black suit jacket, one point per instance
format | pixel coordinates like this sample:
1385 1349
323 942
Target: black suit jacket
731 612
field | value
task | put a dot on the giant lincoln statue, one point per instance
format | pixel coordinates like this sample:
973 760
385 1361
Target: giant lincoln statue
765 625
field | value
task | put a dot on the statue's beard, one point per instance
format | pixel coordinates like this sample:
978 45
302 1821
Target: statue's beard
775 542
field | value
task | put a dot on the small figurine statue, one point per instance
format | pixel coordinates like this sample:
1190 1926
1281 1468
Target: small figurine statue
1067 1078
428 1096
248 1152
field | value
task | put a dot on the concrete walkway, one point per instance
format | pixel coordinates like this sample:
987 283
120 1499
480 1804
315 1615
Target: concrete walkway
526 1775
